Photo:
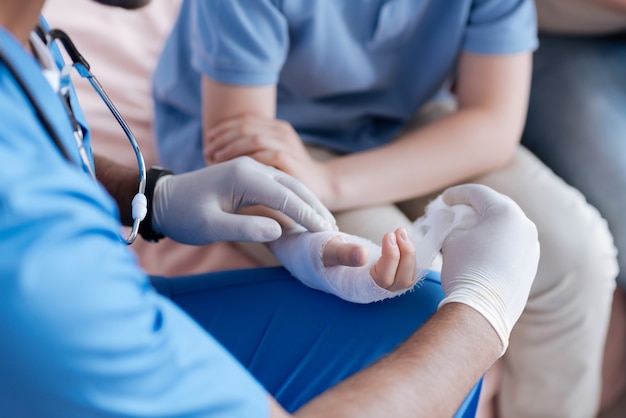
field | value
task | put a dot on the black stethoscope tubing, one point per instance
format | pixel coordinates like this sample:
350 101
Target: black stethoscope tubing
139 203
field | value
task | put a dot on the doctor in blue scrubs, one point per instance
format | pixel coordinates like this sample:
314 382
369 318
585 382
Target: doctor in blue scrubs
85 333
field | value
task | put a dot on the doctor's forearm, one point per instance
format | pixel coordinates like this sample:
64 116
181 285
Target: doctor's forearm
121 183
428 375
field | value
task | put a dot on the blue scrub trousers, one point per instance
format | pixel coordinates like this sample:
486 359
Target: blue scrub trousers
295 340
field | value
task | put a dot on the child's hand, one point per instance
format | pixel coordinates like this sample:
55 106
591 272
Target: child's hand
353 268
395 269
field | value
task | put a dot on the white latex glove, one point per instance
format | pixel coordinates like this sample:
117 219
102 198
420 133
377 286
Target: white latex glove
199 207
490 263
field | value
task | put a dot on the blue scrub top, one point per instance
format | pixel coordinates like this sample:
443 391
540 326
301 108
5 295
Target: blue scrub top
82 332
349 73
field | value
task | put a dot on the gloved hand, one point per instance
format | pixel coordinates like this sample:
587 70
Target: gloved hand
199 207
491 263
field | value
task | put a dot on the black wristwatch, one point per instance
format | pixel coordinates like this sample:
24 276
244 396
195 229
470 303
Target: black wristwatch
145 228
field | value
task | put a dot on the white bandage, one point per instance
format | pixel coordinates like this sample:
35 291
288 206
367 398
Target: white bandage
433 227
301 251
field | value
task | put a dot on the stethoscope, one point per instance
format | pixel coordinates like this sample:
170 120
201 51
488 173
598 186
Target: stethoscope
139 203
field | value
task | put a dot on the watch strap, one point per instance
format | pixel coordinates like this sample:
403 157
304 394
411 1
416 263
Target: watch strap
152 177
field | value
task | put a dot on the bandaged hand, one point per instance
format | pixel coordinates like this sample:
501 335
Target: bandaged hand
200 207
347 266
490 258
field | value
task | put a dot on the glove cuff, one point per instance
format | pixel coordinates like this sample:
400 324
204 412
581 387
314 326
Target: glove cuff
491 314
152 177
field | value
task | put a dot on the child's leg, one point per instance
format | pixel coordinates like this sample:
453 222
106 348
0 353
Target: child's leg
372 222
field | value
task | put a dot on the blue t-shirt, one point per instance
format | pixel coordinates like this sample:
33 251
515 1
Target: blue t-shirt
82 332
349 73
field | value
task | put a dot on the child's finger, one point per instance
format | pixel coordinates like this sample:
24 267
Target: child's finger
405 273
384 271
339 253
